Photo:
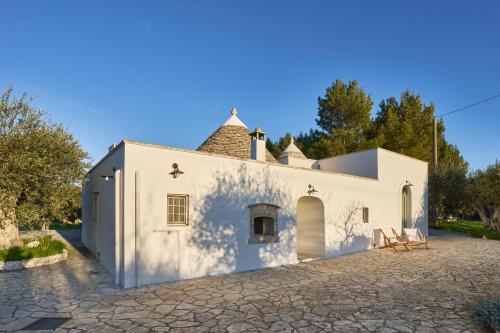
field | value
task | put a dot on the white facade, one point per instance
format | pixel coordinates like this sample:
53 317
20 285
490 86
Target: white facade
125 217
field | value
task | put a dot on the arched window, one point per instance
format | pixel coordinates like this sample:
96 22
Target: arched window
406 207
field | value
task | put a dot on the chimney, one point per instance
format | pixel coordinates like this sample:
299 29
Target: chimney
258 146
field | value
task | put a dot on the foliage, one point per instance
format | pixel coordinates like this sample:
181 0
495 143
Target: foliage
344 117
70 208
344 106
41 163
275 148
472 228
487 314
47 247
483 194
405 126
450 179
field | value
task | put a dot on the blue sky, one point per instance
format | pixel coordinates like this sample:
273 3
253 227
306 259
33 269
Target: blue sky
169 72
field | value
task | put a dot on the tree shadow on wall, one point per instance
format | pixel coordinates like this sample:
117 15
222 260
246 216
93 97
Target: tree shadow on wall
218 242
351 230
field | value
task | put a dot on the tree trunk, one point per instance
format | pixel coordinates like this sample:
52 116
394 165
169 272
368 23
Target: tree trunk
494 221
9 233
9 236
45 224
491 220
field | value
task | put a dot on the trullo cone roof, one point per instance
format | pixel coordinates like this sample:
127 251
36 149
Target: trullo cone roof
231 139
293 151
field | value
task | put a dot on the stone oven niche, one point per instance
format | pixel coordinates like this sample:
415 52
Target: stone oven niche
263 223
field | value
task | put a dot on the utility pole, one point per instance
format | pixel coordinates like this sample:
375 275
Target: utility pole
434 169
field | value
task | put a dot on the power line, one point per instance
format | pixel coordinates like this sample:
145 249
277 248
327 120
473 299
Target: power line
469 106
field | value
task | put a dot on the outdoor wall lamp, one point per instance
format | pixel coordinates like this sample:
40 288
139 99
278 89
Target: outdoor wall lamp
408 183
106 176
311 189
176 171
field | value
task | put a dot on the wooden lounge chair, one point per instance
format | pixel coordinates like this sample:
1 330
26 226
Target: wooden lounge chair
414 237
392 242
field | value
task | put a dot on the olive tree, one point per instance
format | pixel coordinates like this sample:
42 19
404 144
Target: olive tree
483 189
39 160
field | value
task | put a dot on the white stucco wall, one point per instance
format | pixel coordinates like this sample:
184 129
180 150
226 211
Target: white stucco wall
220 190
394 171
361 163
99 237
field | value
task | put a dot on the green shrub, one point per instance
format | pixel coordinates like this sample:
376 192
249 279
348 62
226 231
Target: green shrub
47 247
487 314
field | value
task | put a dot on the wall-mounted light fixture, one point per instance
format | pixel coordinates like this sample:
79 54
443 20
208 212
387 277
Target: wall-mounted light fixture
176 171
408 183
107 176
311 190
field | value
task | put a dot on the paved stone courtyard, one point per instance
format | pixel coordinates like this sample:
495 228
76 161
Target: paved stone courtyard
379 290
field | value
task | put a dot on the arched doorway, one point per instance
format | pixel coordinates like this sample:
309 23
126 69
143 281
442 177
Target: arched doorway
310 228
406 207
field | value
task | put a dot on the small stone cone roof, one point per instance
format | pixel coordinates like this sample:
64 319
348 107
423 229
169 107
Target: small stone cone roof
293 151
231 139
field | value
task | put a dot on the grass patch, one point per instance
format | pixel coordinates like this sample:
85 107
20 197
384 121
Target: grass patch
47 247
472 228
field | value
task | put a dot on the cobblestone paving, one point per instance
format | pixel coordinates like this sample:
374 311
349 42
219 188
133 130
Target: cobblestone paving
379 290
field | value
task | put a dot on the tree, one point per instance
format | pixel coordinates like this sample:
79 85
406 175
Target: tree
450 178
39 160
344 117
405 126
343 120
70 204
483 190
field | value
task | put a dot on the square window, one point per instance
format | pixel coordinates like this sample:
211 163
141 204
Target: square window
177 209
263 226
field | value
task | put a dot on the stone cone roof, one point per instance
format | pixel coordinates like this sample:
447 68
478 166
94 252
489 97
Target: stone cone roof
231 139
293 151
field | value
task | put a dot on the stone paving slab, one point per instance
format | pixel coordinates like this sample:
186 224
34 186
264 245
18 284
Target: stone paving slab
375 291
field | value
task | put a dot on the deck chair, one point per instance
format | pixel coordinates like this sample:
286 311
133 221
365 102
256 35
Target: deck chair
392 241
414 237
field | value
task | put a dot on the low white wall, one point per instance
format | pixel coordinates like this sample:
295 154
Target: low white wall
298 162
362 163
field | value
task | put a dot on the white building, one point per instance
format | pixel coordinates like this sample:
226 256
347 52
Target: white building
154 213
